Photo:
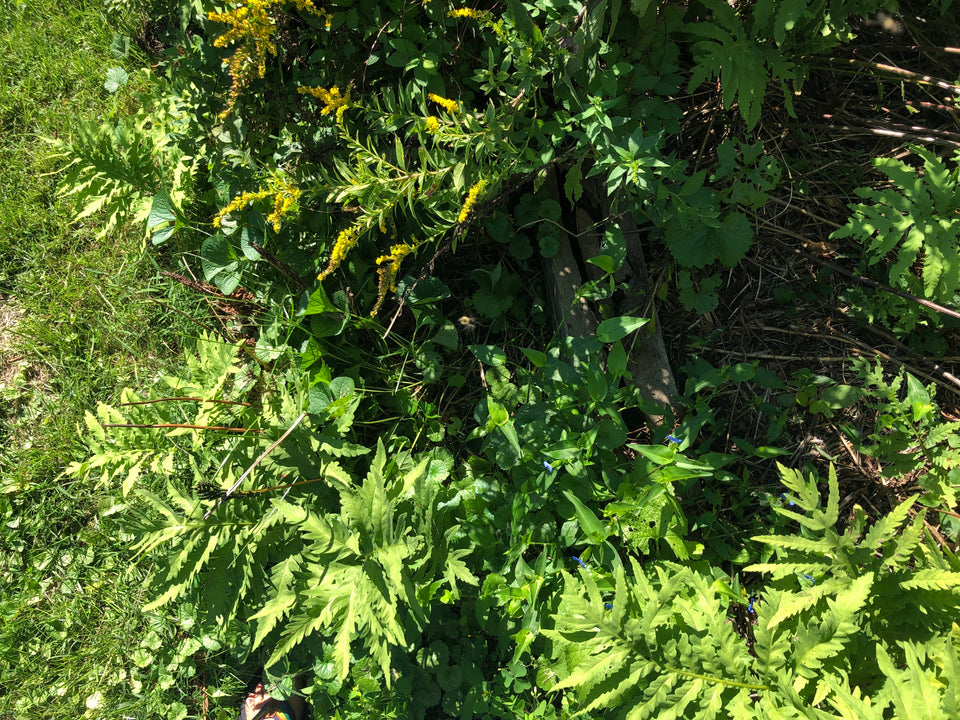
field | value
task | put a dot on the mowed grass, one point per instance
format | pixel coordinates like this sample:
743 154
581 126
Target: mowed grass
79 319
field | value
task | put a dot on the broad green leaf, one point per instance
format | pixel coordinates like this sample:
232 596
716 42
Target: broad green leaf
489 354
220 263
604 262
317 302
161 223
840 396
661 455
617 328
116 78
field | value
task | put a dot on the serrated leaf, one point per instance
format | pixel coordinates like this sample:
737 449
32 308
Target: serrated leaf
931 579
116 78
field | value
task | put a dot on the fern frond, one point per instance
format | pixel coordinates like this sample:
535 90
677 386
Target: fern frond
665 648
906 545
888 526
111 168
283 600
825 639
791 606
794 542
914 690
785 569
932 580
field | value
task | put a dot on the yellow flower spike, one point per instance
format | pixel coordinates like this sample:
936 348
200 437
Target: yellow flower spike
285 196
240 202
283 203
341 247
333 100
471 200
465 13
451 106
433 125
388 272
253 29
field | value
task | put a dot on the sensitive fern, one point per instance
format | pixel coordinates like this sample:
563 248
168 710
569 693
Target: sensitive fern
321 557
916 221
858 623
658 646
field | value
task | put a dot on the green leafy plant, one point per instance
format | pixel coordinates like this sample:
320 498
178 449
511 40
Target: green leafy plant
657 640
911 439
822 395
915 222
367 559
900 588
319 498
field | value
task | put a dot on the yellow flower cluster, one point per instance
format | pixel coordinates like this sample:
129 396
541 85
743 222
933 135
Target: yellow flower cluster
433 125
333 100
284 201
341 247
471 200
239 202
451 106
388 272
465 13
285 197
252 27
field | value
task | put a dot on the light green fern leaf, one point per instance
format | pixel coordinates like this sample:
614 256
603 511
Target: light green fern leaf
914 690
825 638
794 542
919 215
792 605
664 649
785 569
932 580
888 526
906 545
283 600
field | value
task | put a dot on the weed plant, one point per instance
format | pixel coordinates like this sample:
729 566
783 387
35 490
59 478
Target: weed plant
83 314
429 519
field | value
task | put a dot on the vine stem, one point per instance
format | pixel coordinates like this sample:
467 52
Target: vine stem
256 462
858 278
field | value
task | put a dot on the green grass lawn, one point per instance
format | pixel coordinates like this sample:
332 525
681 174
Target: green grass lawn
79 318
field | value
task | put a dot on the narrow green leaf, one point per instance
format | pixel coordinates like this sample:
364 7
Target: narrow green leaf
589 522
538 358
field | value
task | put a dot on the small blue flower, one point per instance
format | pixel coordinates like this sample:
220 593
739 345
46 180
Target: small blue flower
608 606
582 563
547 466
783 496
673 439
750 605
810 578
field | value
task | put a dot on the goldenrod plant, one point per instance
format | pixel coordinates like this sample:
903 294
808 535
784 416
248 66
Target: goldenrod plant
392 472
